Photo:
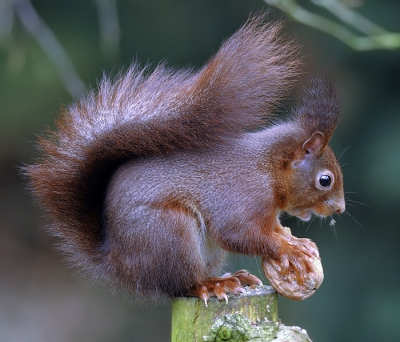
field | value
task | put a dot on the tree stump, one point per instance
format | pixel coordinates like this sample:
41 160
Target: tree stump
250 316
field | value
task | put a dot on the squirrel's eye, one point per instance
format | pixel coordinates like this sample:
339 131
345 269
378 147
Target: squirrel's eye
325 180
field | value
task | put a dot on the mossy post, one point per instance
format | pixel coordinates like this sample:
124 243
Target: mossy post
251 316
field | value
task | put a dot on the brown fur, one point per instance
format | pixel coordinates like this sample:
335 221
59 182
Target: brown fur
148 178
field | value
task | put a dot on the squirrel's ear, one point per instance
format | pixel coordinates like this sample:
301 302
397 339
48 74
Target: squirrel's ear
312 146
315 143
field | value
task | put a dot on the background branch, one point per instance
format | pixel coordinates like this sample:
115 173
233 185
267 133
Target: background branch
376 37
49 43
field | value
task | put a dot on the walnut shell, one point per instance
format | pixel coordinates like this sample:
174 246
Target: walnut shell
287 283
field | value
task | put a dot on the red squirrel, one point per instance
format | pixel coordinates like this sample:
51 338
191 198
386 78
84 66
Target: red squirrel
153 178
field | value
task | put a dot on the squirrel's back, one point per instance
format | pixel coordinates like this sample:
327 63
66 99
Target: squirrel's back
144 114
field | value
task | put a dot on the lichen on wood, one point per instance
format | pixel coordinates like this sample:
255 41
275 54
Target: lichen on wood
236 327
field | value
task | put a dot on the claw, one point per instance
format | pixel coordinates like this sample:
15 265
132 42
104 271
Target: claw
223 296
246 278
205 297
276 266
238 290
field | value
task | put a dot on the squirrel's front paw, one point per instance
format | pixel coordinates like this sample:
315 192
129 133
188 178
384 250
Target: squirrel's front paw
298 272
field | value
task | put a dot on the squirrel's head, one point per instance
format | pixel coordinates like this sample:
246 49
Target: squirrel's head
315 180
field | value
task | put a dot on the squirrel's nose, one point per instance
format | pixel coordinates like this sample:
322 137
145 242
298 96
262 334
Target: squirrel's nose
341 207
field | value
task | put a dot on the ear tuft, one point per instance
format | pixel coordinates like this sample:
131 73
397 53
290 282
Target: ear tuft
319 109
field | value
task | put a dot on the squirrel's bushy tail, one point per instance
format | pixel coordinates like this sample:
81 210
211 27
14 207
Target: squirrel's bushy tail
162 113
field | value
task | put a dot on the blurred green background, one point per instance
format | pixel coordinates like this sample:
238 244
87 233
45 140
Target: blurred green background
41 299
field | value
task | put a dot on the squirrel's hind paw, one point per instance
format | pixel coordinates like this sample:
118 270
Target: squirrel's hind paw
220 286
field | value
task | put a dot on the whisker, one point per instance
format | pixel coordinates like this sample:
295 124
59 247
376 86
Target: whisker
347 213
258 265
351 192
335 233
309 225
357 202
285 218
343 152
